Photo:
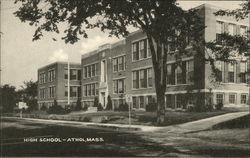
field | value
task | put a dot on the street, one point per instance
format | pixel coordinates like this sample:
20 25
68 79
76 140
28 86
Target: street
29 138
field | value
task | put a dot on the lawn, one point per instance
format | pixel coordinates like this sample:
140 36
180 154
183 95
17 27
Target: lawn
137 117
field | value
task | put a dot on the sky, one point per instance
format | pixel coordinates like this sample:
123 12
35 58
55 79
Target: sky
20 57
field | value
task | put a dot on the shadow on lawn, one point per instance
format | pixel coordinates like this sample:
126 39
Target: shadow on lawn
115 143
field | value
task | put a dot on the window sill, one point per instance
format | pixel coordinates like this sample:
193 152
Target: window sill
134 61
233 83
180 85
141 88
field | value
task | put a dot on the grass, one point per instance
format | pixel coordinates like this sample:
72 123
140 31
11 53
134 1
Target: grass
137 117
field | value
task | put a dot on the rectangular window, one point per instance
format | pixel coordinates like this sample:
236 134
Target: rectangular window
220 28
66 91
243 99
85 91
119 86
93 68
89 89
121 63
150 78
168 100
218 71
65 73
115 64
232 29
190 73
79 74
219 98
141 100
143 78
135 76
73 74
135 51
179 74
243 71
232 98
134 103
231 72
96 89
73 91
93 89
143 48
169 74
89 71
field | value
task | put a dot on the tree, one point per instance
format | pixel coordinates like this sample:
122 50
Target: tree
78 106
165 24
28 94
8 98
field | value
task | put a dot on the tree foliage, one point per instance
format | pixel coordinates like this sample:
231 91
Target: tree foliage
8 98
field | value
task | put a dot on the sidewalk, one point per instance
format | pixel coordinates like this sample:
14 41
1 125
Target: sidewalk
182 128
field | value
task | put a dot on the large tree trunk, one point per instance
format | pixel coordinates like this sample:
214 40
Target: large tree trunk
159 59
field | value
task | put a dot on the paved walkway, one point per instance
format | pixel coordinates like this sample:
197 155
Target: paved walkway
182 128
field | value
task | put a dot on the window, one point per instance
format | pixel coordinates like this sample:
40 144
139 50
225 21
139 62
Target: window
219 98
243 70
179 74
93 89
115 64
141 100
149 99
220 28
232 29
51 91
169 74
51 75
79 74
143 78
121 63
168 100
150 78
143 49
42 77
230 72
243 30
89 89
119 86
135 75
218 71
85 90
73 74
73 91
140 50
135 51
232 98
42 93
179 100
90 70
190 73
134 102
243 98
93 68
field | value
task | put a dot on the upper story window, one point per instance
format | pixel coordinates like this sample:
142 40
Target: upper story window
52 91
90 71
243 30
181 73
140 50
220 28
75 74
218 72
51 75
142 78
231 72
232 29
119 63
42 78
243 71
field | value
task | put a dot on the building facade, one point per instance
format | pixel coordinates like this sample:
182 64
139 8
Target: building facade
125 67
53 84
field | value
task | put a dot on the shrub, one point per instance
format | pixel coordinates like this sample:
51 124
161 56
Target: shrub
78 106
96 102
56 109
85 107
44 108
99 107
123 107
219 106
109 104
151 107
